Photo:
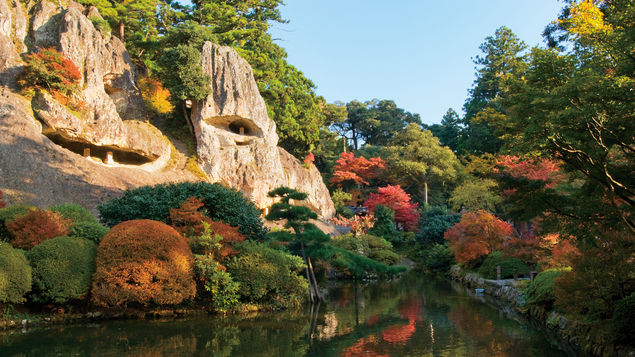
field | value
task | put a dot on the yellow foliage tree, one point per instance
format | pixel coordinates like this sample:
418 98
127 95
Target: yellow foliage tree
155 97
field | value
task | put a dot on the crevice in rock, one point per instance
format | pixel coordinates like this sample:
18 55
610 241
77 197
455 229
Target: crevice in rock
99 153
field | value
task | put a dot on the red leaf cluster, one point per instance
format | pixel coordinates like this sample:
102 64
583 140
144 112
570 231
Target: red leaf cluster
188 221
309 159
477 235
2 203
35 227
49 70
356 169
532 169
143 261
398 200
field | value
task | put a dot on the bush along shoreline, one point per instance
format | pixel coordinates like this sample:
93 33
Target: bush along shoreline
169 251
535 300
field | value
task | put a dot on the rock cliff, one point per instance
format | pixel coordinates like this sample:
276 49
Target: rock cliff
43 144
237 140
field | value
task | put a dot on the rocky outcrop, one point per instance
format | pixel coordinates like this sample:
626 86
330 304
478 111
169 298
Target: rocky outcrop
114 115
237 140
39 161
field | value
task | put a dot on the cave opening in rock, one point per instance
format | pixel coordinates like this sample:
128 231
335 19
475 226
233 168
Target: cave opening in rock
99 153
246 126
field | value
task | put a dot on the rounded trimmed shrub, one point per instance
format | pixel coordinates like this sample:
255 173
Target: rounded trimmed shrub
541 290
508 264
268 276
76 213
155 202
15 274
384 256
90 231
62 269
143 261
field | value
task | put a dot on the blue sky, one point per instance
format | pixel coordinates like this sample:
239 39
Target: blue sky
415 52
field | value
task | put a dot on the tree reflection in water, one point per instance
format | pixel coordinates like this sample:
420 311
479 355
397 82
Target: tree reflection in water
415 316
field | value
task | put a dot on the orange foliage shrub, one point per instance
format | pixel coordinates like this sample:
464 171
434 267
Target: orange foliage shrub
188 221
49 70
35 227
477 235
143 261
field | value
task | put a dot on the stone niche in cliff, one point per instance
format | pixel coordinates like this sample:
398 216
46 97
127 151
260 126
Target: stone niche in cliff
237 142
114 118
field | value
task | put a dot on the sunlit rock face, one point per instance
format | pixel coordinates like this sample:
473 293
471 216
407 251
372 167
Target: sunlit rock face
237 142
114 115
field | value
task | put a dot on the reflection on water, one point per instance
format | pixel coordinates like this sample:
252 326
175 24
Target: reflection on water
415 316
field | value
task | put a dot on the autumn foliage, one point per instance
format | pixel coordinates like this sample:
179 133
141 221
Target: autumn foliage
358 224
395 198
477 235
143 261
532 169
356 169
49 70
2 203
35 227
188 221
155 96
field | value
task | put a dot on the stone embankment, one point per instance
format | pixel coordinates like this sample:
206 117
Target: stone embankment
585 337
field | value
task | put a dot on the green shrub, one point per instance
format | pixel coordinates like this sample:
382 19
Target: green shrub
623 321
8 214
155 202
385 224
435 222
62 269
143 261
541 290
489 268
437 258
92 232
76 213
268 276
84 224
15 274
384 256
101 25
212 276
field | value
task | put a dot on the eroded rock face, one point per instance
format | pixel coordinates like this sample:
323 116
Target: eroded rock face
114 114
237 140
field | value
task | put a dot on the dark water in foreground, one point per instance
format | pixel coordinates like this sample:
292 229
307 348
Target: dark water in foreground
415 316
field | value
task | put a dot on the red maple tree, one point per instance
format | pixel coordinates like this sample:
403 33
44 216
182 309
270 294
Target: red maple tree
533 169
395 198
356 169
477 235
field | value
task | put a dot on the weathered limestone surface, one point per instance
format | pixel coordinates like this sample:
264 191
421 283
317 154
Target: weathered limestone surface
251 161
114 112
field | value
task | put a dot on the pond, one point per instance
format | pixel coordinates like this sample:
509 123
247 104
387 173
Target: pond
413 316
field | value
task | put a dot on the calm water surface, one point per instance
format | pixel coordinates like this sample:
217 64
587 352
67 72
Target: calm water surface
415 316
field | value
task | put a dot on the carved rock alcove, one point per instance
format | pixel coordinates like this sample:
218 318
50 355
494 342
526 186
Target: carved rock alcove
235 129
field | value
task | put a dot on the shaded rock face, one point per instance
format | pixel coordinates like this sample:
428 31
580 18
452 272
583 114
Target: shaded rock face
114 114
237 140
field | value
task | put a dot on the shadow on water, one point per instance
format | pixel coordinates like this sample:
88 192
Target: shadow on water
415 316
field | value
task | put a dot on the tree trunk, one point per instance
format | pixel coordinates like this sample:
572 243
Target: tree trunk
425 193
187 119
308 277
315 284
121 30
